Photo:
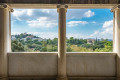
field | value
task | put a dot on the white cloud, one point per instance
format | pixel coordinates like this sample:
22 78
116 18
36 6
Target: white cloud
77 35
93 22
89 13
79 13
36 17
15 33
106 32
18 13
108 27
42 22
46 10
95 34
76 23
30 14
49 17
108 24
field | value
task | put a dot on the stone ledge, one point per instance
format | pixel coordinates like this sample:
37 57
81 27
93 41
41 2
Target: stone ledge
62 1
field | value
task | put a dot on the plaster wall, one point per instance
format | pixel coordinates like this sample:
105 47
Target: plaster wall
91 64
32 64
78 64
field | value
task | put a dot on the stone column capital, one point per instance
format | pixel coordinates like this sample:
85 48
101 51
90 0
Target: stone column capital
64 6
115 8
6 6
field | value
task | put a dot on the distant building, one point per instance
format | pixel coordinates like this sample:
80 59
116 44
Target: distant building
90 41
24 39
13 37
25 33
34 39
44 39
40 39
29 37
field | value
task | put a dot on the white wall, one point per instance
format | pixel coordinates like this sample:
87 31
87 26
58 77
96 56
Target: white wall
32 64
78 64
91 64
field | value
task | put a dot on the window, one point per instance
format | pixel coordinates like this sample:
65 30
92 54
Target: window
34 30
89 30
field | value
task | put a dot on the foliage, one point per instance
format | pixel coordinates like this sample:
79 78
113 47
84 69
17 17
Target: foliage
17 46
51 45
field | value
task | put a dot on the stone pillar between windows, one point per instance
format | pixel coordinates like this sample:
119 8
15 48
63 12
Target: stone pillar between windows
116 37
113 31
5 39
62 9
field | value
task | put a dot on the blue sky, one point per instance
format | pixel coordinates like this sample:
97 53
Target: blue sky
80 23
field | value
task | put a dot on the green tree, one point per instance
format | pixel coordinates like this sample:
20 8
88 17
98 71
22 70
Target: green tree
69 49
17 46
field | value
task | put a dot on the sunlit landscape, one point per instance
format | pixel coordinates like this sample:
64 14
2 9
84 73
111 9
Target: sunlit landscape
87 30
30 43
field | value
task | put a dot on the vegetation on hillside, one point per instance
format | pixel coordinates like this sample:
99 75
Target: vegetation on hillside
30 43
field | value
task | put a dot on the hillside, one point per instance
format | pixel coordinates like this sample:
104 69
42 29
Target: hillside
30 43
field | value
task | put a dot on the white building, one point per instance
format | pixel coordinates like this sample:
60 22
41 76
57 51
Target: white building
13 37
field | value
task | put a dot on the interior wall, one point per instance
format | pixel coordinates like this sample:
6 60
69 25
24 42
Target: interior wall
78 64
91 64
32 64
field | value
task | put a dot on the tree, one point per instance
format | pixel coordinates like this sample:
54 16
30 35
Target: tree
71 40
51 45
69 49
17 46
37 48
43 49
